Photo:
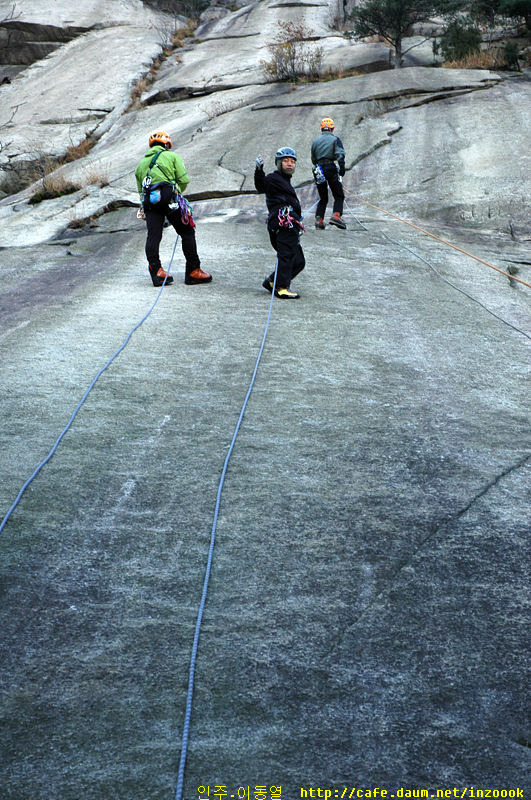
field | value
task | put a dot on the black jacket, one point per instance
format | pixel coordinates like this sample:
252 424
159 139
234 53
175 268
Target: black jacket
279 193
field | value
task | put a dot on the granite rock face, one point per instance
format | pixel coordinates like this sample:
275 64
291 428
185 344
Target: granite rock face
61 99
366 619
464 178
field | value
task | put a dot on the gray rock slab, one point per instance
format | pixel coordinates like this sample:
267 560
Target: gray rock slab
339 55
263 17
209 66
480 138
22 42
214 12
72 100
225 146
210 63
24 224
60 100
465 178
391 83
297 127
63 13
365 623
114 159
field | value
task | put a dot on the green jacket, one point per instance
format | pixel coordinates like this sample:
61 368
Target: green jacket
172 169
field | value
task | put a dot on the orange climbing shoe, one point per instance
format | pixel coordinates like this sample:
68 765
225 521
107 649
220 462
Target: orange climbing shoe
336 220
320 223
197 275
158 275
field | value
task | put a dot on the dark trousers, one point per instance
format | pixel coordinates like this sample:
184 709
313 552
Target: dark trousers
155 216
336 187
291 259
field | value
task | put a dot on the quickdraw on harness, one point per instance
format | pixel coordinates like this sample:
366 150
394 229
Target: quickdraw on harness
318 174
151 192
285 220
184 207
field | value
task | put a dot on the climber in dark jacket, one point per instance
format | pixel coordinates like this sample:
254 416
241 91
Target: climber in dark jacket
326 150
283 222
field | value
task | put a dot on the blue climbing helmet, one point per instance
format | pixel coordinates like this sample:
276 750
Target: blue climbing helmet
284 152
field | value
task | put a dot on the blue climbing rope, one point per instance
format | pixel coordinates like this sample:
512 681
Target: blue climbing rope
193 657
83 399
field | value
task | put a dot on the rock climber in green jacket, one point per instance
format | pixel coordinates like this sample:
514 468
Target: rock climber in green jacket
161 178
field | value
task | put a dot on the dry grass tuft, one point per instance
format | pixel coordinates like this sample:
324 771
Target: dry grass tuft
487 59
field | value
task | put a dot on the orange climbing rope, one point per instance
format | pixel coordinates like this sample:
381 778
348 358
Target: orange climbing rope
438 238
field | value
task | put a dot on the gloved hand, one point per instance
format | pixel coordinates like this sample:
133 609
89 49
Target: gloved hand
341 165
259 162
140 213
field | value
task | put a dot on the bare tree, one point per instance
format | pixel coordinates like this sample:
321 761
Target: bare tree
11 16
3 144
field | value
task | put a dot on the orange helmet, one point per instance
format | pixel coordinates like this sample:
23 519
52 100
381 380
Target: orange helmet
327 123
160 137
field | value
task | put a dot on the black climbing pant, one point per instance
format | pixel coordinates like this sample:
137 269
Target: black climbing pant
156 214
291 259
336 187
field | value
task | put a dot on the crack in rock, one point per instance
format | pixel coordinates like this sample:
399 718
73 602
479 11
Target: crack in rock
98 110
431 535
230 169
72 120
441 93
300 4
228 36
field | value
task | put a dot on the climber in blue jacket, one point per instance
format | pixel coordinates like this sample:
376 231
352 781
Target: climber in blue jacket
326 150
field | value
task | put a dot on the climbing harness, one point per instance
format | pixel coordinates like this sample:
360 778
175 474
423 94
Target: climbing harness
150 190
285 219
83 399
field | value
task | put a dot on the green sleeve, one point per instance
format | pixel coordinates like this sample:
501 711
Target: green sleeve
139 178
181 176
